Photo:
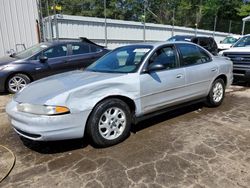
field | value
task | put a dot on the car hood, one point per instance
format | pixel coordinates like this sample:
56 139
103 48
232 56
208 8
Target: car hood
237 49
224 46
6 60
60 86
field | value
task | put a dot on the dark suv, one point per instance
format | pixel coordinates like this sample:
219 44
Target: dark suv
45 59
206 42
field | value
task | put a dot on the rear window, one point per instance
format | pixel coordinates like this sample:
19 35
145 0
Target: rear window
95 48
80 49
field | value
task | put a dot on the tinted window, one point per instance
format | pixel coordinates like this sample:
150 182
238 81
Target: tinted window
80 49
204 42
192 54
56 51
165 56
95 48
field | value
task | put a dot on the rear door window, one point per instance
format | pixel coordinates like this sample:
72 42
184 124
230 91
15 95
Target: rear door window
78 49
192 54
94 48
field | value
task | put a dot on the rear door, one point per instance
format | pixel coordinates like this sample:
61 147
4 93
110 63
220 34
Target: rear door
199 68
165 87
83 54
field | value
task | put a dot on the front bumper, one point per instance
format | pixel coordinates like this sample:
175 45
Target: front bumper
2 82
47 128
241 72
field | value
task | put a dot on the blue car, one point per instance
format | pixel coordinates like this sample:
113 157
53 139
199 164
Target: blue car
45 59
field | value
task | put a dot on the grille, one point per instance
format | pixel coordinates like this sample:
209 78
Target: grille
239 58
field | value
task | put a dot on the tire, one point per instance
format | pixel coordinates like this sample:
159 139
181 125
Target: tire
16 82
106 129
216 93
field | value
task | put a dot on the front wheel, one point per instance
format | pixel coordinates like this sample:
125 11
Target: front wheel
217 93
16 82
109 123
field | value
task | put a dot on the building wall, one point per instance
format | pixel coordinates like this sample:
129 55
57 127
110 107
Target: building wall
17 24
118 32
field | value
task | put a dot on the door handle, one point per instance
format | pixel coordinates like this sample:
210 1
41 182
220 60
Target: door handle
214 69
179 76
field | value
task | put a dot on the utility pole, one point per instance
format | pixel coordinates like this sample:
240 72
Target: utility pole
173 20
55 21
105 22
215 23
196 28
50 23
40 22
230 26
144 22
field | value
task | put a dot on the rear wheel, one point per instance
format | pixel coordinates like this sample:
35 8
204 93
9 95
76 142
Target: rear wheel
16 82
217 93
109 123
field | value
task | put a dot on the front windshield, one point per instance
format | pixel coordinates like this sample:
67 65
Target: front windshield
31 51
122 60
229 40
244 41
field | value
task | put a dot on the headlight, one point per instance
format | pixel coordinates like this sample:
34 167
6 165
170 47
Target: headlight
42 109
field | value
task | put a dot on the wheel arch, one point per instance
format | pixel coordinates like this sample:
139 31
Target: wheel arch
223 77
131 104
18 72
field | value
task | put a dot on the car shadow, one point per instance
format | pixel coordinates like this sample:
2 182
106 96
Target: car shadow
53 147
4 93
166 116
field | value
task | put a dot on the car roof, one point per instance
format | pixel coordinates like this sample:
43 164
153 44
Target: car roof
159 43
65 41
182 36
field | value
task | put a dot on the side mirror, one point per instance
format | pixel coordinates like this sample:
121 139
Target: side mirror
43 58
155 67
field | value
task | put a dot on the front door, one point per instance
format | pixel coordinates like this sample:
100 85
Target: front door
165 87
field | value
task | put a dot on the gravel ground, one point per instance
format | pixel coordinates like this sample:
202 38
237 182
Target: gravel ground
190 147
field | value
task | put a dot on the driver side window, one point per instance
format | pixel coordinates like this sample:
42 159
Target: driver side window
56 51
165 56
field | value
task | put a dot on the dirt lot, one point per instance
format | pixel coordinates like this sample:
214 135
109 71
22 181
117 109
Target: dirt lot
190 147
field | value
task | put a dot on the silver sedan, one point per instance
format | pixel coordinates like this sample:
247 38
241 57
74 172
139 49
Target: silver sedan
126 85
